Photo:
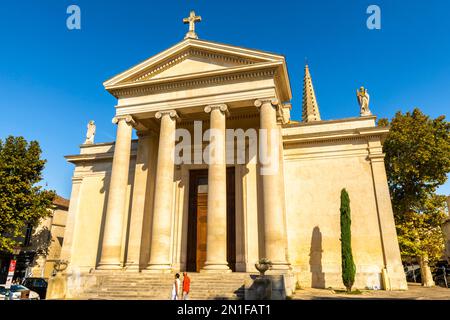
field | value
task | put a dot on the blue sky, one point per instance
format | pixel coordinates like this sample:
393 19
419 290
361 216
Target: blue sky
51 78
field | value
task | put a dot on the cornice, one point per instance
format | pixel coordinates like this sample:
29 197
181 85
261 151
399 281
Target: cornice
325 122
295 157
201 79
93 157
335 136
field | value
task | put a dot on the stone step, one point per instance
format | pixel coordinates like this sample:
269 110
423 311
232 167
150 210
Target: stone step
171 276
169 283
143 286
159 288
163 290
153 286
118 297
149 286
162 296
139 298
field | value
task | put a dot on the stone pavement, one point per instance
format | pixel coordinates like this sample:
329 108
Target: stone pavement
415 292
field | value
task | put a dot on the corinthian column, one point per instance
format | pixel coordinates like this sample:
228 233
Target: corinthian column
216 234
112 235
162 211
274 227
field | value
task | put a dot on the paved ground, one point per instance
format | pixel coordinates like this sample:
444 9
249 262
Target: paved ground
415 292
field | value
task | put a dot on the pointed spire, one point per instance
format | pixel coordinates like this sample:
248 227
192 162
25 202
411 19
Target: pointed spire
310 107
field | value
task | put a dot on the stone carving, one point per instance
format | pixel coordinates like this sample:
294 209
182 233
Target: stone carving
192 19
221 107
90 132
261 289
60 265
363 100
263 265
171 113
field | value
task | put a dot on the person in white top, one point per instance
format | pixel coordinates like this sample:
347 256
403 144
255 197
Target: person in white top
176 294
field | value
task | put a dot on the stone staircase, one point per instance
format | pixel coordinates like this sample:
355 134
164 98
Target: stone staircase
147 286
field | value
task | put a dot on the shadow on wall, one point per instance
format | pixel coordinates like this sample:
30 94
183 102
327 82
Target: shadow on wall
315 259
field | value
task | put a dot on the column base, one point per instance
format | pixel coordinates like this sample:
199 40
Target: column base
109 266
392 280
132 267
280 267
158 268
216 268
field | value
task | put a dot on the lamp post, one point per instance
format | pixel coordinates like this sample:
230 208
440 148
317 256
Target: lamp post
12 268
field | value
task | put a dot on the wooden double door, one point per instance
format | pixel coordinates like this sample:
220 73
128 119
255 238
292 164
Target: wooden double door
198 215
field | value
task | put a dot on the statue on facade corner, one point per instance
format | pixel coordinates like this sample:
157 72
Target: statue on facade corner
90 133
363 100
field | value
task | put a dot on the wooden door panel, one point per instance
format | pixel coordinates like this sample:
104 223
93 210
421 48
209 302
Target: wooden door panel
202 210
231 220
197 226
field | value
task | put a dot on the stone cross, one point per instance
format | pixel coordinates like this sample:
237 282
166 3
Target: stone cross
192 19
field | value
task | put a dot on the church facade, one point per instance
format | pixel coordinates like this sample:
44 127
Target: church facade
147 205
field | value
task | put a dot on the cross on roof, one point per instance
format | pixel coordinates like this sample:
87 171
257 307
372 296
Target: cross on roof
192 19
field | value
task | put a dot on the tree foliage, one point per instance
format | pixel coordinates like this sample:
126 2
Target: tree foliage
417 162
22 201
419 231
348 265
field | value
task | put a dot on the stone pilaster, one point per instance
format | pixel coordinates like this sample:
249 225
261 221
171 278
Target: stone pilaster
160 259
139 206
112 236
274 226
216 237
69 234
393 275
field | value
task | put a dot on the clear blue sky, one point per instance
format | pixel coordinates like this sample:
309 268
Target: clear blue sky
51 78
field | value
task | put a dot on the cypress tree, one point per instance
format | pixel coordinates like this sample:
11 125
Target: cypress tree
348 265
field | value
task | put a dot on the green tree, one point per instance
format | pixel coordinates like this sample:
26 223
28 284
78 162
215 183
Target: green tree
348 265
22 201
420 234
417 162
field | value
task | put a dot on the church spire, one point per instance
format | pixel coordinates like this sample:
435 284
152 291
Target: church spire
310 107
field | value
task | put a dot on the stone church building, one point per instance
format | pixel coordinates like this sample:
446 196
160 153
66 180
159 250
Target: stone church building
135 209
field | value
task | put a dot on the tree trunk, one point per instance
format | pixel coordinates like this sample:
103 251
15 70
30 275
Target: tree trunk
425 271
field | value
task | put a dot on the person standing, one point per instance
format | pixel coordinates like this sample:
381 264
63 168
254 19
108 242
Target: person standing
176 288
186 286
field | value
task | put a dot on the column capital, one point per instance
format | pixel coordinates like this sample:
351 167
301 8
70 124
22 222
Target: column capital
128 119
170 113
376 157
222 107
259 102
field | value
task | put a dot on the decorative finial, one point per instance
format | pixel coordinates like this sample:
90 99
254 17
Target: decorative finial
192 19
363 100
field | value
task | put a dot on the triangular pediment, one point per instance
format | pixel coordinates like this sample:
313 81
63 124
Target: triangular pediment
192 56
188 62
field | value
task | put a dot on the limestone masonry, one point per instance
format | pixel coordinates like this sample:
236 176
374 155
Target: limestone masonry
133 210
